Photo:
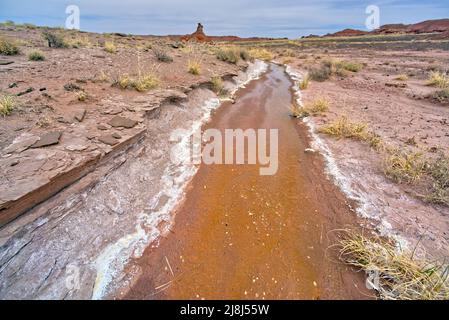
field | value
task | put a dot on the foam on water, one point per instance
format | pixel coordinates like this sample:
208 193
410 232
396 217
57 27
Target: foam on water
111 261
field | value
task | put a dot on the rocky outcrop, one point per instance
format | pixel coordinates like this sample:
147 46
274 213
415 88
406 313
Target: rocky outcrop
198 35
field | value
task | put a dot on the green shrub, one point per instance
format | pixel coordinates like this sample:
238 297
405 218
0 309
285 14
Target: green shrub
7 104
228 55
162 56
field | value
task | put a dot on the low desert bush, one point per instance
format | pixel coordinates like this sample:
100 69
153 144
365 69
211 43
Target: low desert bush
261 54
320 74
343 128
438 79
162 56
228 55
110 47
438 170
8 47
217 86
54 40
398 274
79 42
442 96
141 83
316 107
7 104
404 166
194 67
36 55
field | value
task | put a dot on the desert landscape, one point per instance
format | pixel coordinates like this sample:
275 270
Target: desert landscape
89 188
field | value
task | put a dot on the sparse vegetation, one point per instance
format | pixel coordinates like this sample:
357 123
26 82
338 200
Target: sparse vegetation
261 54
316 107
343 128
81 96
54 40
304 84
442 96
7 104
142 83
110 47
162 56
194 67
228 55
404 167
333 67
399 275
217 86
8 47
36 55
401 77
438 170
438 79
79 42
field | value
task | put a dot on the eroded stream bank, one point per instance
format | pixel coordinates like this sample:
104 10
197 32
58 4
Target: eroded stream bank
239 235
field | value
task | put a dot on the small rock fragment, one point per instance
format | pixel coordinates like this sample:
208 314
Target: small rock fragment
108 139
48 139
80 114
102 127
122 122
116 135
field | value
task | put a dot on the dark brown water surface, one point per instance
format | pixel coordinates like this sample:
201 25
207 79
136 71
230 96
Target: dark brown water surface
240 235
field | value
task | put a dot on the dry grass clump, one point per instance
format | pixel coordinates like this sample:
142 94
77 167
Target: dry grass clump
261 54
401 77
54 40
438 170
81 96
110 47
8 47
79 42
438 79
333 67
194 67
343 128
36 55
217 87
228 55
304 84
396 274
162 56
316 107
141 84
442 96
7 104
404 167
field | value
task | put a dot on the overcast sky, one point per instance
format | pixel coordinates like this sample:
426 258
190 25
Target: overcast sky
269 18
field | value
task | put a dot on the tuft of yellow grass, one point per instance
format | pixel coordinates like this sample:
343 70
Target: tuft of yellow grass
304 84
261 54
36 55
344 128
438 79
110 47
401 77
396 274
7 104
81 96
194 67
404 167
8 47
141 84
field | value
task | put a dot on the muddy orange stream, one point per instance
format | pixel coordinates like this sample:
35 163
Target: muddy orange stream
240 235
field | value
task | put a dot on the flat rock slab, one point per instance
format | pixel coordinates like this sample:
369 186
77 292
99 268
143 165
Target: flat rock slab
117 122
48 139
21 144
5 63
80 114
108 139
